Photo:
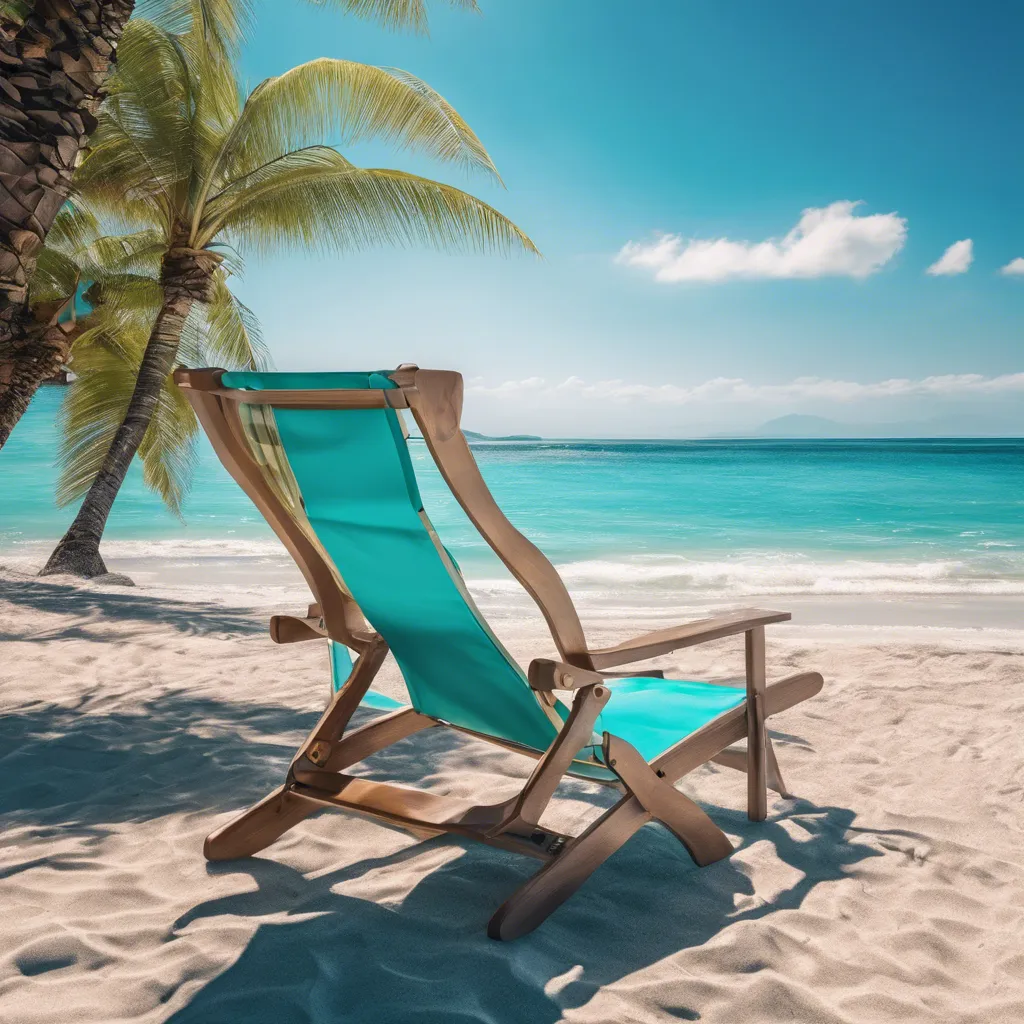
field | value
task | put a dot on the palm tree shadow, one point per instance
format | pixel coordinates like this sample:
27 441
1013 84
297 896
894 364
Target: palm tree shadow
92 612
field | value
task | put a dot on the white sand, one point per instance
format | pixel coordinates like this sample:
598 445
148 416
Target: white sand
135 721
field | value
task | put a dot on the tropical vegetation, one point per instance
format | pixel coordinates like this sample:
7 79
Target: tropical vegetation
104 293
55 56
192 173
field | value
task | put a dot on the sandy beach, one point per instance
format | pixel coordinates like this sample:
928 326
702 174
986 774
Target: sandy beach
587 320
137 720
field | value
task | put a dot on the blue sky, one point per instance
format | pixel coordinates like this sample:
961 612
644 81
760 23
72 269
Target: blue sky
616 123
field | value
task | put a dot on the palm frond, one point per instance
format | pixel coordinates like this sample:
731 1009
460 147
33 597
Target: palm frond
74 228
79 235
77 251
137 254
119 177
168 449
214 101
232 260
142 149
324 203
106 359
342 102
224 332
392 14
127 297
222 25
13 12
56 278
246 186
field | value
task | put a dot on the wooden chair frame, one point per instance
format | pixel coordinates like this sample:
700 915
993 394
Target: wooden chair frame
316 776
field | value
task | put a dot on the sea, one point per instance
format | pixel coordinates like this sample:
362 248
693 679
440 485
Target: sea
642 523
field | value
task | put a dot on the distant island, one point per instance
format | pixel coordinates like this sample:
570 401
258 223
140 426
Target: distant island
472 435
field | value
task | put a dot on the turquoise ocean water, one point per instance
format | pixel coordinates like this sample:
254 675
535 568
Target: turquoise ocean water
721 518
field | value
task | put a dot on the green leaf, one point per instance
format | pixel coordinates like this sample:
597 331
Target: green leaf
106 361
224 332
124 267
168 449
392 14
318 200
13 12
341 102
221 25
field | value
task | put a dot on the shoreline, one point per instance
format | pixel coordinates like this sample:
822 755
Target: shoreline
268 578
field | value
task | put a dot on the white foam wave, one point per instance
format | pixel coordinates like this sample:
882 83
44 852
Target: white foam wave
778 574
638 579
197 548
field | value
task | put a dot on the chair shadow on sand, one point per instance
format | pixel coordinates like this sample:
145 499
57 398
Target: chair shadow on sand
355 959
352 959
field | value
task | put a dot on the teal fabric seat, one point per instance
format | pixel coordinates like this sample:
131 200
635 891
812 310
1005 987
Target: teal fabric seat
341 667
357 488
358 491
655 714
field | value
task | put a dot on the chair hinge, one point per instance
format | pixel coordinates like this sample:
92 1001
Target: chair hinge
551 844
319 752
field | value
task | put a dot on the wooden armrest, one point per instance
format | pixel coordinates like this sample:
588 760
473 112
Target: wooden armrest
290 629
629 673
664 641
546 675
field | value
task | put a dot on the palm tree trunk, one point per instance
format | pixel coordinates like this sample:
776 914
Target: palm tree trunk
187 278
52 69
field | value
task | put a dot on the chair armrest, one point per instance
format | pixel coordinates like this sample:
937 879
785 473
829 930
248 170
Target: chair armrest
629 673
546 675
290 629
664 641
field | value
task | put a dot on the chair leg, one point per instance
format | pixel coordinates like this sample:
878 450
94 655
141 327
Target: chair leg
550 887
269 819
319 744
775 779
757 767
703 839
259 826
525 813
736 758
649 796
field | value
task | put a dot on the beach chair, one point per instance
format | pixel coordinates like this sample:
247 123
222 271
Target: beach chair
324 457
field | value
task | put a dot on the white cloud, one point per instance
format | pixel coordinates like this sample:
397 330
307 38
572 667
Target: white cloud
735 389
827 242
955 260
1015 268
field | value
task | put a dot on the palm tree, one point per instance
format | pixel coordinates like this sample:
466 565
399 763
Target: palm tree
55 56
209 174
118 277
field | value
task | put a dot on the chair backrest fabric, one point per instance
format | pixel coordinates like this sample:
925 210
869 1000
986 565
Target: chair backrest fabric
354 478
